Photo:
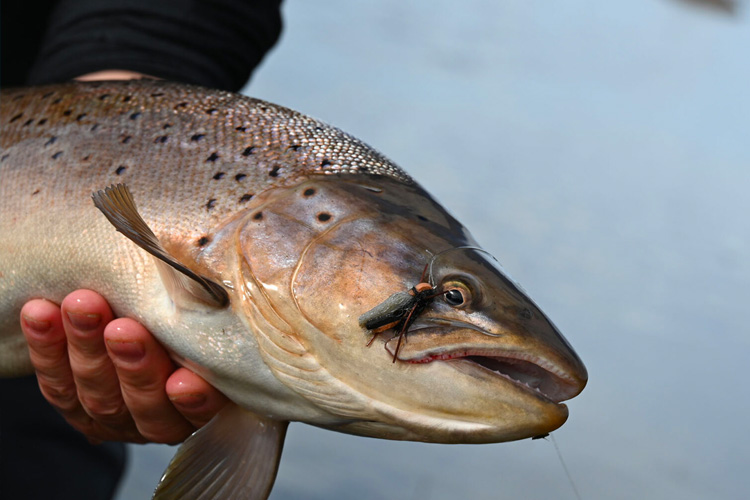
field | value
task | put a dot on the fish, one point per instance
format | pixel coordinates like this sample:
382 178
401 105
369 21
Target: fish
250 239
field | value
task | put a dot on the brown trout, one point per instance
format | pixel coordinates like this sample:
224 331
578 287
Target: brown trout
267 235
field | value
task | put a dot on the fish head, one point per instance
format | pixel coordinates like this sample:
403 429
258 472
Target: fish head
479 363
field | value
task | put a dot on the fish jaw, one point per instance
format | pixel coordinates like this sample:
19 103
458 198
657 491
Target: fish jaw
545 375
375 240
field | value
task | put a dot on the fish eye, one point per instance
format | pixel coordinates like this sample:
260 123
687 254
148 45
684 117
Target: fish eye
454 297
459 293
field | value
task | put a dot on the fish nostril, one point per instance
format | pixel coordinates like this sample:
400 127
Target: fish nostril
324 217
526 313
308 192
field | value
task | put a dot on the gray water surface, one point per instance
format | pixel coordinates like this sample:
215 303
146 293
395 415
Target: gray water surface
600 150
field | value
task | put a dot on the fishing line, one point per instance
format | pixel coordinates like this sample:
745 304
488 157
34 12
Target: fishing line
565 467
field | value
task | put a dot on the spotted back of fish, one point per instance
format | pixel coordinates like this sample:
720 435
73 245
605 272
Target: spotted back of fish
196 153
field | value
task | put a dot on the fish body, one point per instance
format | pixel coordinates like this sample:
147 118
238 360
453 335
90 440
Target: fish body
303 229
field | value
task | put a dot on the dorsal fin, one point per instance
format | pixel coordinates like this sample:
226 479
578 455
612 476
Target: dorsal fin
118 206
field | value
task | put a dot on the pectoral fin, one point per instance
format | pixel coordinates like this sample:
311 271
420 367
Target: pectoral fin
117 205
236 455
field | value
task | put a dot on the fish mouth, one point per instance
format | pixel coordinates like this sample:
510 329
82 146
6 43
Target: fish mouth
535 374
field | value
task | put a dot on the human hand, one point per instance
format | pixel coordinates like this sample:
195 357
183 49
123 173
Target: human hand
110 378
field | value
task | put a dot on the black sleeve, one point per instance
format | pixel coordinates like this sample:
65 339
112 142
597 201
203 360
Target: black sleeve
216 43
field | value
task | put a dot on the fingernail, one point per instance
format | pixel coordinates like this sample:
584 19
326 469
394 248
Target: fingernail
189 400
84 321
36 325
127 351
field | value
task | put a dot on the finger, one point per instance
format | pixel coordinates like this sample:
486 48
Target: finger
143 367
196 399
42 326
84 315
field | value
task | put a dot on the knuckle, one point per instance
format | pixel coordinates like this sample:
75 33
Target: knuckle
62 397
104 408
47 357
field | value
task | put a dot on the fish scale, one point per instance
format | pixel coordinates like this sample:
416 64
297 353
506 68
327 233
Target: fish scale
138 125
267 235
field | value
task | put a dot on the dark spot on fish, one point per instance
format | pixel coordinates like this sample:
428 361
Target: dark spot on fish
211 203
103 96
157 94
126 98
181 105
80 117
47 95
28 122
203 241
274 171
295 147
245 197
324 217
126 139
5 157
526 313
86 158
211 111
119 170
423 218
57 101
161 139
248 151
35 192
135 115
166 126
325 162
258 216
214 156
57 155
241 129
219 175
15 118
42 121
197 137
51 140
67 112
308 192
239 177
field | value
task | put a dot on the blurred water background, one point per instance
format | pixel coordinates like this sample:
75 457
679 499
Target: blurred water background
601 151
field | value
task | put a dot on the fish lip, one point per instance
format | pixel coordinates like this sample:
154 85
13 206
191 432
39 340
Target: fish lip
534 374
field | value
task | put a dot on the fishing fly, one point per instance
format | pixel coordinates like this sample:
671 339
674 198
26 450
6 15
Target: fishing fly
401 309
